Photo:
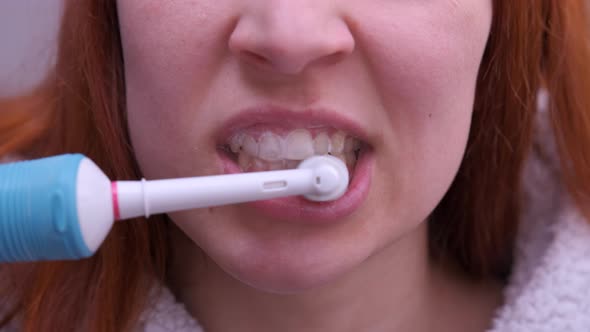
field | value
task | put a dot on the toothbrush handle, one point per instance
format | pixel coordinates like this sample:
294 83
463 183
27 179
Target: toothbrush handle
145 198
43 213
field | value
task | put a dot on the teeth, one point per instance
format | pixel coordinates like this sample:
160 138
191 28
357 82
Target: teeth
235 142
250 146
337 143
321 144
351 144
258 163
270 147
273 152
253 164
290 164
276 165
350 159
245 161
340 156
299 144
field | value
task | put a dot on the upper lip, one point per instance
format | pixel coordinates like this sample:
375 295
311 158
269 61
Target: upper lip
275 115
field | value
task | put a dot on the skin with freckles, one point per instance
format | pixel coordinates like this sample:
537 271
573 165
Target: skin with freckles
403 71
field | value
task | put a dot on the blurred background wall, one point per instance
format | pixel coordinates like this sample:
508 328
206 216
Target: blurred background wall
28 30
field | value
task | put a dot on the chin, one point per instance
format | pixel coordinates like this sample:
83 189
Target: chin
289 275
286 260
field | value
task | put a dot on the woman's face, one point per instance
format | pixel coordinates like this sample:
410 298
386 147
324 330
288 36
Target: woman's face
230 85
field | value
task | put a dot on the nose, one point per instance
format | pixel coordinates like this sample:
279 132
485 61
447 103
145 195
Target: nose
288 36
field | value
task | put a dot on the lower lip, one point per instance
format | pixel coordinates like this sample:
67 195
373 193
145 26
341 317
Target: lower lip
299 209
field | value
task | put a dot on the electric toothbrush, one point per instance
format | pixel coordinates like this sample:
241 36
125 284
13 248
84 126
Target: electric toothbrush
62 207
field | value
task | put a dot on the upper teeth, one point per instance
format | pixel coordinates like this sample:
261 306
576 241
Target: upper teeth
298 144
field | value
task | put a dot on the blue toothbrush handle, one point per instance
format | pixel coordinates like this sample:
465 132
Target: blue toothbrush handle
44 213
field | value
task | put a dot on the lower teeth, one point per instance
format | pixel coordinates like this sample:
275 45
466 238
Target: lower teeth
252 164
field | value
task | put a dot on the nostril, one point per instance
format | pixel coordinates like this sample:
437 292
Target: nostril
333 58
255 58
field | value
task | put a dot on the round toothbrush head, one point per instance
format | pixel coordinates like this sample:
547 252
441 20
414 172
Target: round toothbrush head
330 177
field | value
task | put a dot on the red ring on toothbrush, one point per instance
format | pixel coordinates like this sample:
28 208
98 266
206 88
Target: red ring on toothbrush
116 212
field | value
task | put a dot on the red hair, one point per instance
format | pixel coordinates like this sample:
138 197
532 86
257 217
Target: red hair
80 107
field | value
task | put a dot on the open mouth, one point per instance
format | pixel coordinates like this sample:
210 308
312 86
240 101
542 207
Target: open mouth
264 139
256 149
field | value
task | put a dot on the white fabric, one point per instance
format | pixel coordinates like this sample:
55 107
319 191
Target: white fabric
550 288
167 315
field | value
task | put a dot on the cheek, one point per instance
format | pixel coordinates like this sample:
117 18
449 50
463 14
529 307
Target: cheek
166 46
426 60
172 54
426 72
